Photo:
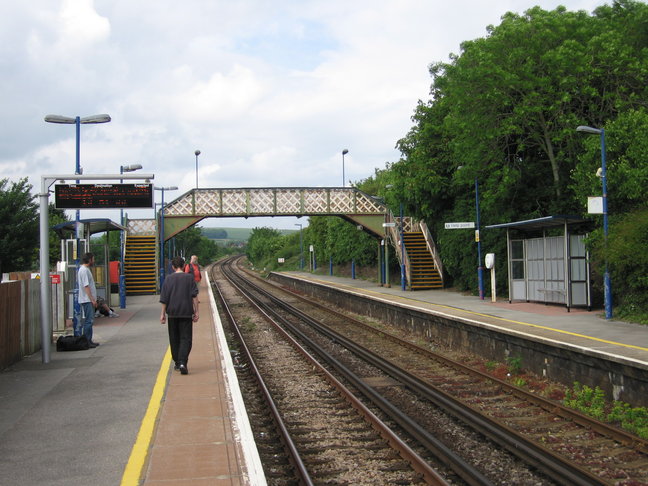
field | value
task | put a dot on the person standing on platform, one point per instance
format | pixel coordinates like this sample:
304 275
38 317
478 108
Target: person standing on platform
179 299
193 268
87 297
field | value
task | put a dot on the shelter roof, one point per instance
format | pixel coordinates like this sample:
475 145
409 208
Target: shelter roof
96 225
541 223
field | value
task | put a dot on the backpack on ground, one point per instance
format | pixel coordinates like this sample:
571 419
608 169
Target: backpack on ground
72 343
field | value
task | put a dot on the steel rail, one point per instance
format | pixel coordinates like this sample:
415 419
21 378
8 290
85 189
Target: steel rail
463 469
550 406
418 464
532 453
294 457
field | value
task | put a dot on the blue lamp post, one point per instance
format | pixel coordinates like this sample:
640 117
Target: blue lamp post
301 247
480 267
122 275
344 152
162 265
607 284
77 121
402 248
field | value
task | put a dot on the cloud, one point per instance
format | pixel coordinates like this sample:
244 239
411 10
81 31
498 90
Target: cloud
270 92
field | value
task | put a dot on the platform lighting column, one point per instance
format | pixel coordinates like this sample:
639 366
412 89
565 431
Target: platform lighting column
607 284
480 267
301 247
122 242
77 121
197 153
344 152
162 263
402 247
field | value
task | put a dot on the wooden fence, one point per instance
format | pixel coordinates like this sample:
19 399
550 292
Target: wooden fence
20 318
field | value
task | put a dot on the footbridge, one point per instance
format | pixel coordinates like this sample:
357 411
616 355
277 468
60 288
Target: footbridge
417 251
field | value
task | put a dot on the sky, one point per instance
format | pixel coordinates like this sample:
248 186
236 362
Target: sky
269 92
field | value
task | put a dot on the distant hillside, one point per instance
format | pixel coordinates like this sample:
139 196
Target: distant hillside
233 234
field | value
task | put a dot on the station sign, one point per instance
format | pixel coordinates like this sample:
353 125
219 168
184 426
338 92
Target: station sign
464 225
103 196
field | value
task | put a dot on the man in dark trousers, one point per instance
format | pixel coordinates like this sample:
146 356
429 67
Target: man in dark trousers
179 298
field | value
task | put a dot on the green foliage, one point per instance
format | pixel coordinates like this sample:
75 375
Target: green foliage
592 402
192 241
514 364
56 216
335 238
587 400
19 226
627 261
504 112
264 243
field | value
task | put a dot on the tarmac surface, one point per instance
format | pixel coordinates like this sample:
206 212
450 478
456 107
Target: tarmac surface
76 420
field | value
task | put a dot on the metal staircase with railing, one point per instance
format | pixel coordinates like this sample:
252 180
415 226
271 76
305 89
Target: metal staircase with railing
423 271
139 264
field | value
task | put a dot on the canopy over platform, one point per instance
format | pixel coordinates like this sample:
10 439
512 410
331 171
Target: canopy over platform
90 226
550 269
541 223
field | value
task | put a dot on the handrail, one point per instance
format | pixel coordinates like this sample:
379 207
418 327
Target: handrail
394 234
429 241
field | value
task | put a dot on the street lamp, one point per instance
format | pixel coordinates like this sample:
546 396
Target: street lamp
607 284
480 267
78 121
344 152
301 247
162 267
197 153
122 275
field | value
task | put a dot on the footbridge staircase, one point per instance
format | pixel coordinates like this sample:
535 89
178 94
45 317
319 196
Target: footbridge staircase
410 239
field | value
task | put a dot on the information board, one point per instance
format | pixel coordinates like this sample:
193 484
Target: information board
103 196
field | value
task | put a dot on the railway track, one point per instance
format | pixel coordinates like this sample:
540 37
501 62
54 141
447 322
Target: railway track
563 445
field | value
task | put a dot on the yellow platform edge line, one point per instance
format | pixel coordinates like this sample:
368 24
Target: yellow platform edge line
135 466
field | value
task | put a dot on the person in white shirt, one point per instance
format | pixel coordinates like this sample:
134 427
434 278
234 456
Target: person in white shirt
87 297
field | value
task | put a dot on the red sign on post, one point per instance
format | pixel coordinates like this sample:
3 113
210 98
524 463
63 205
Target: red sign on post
56 278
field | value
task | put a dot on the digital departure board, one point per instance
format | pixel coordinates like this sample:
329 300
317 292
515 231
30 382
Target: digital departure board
103 196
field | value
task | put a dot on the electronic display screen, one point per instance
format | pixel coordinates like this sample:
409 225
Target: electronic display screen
103 196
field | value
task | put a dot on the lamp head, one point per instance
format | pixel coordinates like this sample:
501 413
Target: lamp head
59 119
103 118
131 168
345 151
586 129
197 152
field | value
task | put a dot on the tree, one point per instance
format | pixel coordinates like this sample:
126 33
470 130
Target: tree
263 244
19 223
56 216
504 111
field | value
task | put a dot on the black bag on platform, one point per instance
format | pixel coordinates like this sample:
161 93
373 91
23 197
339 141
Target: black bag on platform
72 343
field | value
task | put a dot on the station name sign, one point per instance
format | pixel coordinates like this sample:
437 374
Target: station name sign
462 225
103 196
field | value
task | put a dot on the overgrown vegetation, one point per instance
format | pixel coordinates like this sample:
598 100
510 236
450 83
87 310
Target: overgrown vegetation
592 402
503 114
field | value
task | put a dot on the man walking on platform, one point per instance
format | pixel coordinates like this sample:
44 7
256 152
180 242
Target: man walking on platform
87 298
179 299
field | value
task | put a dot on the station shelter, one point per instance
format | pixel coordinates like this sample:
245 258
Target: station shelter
105 272
547 260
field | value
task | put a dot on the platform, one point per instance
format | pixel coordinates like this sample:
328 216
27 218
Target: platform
119 414
578 327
